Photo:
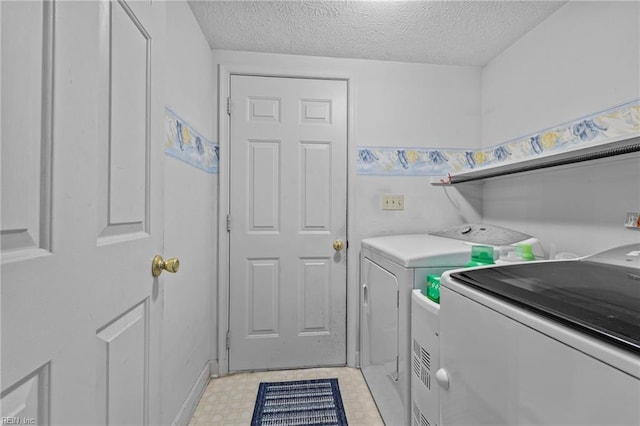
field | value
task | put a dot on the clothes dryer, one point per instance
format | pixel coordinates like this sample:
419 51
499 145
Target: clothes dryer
391 267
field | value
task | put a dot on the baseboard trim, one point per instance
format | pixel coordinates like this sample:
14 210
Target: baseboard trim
214 368
189 407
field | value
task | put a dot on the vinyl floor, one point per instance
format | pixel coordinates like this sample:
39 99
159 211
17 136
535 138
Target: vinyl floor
229 400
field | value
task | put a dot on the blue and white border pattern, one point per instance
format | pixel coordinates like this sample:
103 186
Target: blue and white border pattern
186 144
611 124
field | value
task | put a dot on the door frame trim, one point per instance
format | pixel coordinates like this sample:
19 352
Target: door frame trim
225 71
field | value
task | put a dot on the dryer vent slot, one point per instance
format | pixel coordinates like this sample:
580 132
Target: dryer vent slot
426 359
415 359
416 366
425 378
421 364
418 418
416 347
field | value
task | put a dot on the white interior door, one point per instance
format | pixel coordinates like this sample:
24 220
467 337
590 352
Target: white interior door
81 126
288 200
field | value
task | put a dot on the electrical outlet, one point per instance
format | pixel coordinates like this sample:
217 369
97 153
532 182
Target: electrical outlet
633 220
393 202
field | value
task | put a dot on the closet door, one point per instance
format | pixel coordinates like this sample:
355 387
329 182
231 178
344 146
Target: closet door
288 220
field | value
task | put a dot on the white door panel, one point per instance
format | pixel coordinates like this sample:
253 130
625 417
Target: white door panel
288 205
26 98
81 213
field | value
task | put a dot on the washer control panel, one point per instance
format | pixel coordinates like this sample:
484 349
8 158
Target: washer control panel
483 234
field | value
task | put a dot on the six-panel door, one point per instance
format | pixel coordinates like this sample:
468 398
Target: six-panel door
288 200
81 211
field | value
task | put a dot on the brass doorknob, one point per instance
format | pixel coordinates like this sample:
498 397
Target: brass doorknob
170 265
338 245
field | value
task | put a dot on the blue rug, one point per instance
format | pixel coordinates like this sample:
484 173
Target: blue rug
303 402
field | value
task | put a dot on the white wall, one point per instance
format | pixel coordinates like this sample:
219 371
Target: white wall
396 104
392 104
583 59
188 339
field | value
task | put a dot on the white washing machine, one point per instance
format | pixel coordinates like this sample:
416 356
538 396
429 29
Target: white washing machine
391 268
542 343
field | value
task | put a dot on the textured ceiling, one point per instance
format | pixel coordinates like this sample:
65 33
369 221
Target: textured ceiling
468 32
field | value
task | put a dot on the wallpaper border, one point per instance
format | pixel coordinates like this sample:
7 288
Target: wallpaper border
621 121
185 143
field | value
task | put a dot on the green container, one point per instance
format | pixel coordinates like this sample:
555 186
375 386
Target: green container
525 251
433 288
481 255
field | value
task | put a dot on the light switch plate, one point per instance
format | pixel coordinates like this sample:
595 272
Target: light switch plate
393 202
633 220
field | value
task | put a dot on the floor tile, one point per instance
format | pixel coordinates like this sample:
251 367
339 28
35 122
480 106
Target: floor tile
229 400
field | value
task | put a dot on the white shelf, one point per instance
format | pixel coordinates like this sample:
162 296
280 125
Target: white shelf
553 159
